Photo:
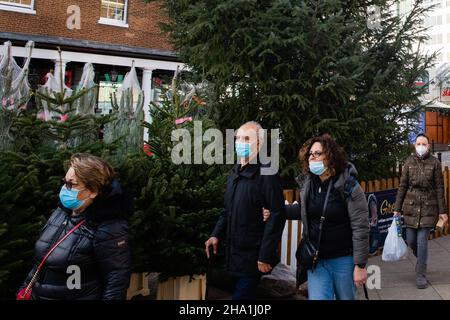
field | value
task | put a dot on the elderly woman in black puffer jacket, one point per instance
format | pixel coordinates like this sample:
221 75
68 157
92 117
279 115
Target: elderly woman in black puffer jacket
93 262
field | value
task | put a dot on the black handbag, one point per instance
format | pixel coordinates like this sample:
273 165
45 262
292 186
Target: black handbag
308 253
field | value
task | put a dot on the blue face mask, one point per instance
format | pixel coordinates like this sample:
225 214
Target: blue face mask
69 198
317 167
242 149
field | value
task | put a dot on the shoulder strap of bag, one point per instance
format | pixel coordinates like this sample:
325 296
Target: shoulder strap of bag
59 242
322 219
33 280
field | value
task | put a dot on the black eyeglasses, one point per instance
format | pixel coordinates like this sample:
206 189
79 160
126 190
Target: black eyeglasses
315 154
69 184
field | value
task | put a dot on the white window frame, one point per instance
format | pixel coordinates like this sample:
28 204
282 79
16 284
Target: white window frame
114 22
17 7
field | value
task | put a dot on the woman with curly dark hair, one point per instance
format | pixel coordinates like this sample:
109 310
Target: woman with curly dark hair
335 240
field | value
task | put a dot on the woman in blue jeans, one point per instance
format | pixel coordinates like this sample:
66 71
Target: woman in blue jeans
344 244
420 198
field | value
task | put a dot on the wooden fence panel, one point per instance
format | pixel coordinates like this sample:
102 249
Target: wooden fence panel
384 184
396 182
377 185
364 186
390 183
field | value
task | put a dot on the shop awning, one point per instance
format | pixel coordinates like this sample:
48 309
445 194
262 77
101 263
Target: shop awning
435 104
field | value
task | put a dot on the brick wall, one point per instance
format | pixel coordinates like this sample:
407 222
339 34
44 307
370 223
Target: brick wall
51 17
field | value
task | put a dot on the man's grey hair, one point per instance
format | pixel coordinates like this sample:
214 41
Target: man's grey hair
259 129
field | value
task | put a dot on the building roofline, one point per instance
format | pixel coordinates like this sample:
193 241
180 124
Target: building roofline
88 46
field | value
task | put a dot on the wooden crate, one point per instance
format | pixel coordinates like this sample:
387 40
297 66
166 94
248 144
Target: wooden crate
138 285
183 288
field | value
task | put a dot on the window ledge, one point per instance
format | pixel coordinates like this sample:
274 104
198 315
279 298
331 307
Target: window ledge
112 22
17 9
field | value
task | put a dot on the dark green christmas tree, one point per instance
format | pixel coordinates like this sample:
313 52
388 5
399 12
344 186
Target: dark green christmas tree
310 67
33 154
176 205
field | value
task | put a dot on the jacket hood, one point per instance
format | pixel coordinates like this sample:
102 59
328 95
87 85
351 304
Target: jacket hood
109 205
349 172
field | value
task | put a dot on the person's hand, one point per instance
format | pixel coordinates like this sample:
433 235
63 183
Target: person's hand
396 213
266 214
359 276
213 241
264 267
444 217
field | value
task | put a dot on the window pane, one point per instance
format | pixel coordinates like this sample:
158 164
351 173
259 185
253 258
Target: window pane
20 3
114 9
104 12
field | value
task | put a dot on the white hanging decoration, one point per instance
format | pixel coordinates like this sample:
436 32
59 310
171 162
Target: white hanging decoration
51 88
85 105
14 91
14 85
129 113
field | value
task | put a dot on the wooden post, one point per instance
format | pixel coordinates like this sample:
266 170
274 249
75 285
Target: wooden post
377 185
370 186
289 243
138 285
289 196
299 232
396 182
364 186
390 183
384 184
182 288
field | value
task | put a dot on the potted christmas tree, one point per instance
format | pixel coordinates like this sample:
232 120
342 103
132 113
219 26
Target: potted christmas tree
176 205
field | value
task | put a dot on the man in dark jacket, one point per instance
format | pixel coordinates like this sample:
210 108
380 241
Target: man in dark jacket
251 243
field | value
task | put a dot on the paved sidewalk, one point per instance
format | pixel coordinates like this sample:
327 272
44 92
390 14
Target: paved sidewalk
398 278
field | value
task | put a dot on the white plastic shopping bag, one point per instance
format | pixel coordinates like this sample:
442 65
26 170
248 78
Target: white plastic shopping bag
395 247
